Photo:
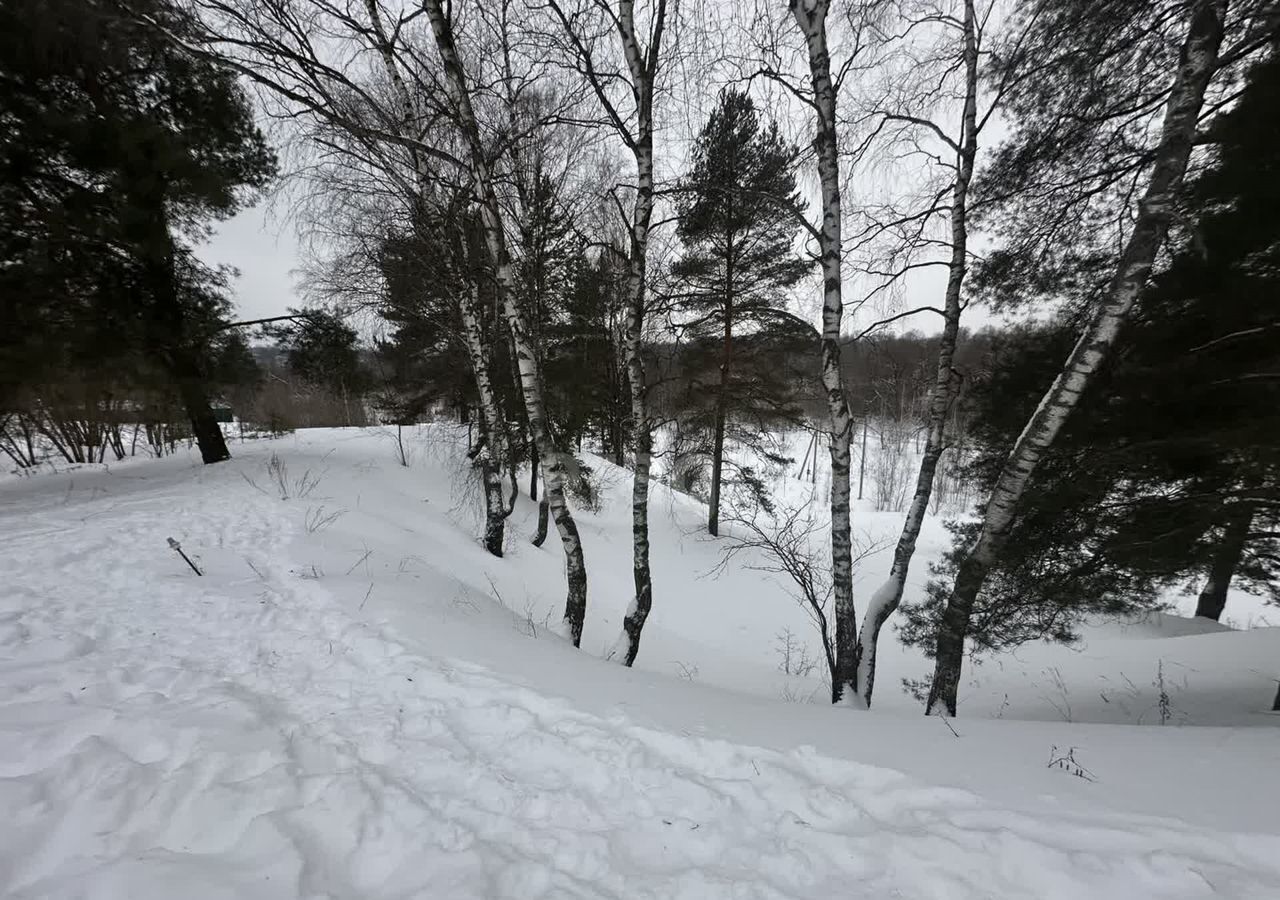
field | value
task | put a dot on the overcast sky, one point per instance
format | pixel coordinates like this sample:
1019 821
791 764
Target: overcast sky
263 247
262 244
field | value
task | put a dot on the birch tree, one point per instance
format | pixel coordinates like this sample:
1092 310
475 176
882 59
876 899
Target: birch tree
1198 60
811 18
552 460
1166 472
642 54
374 144
492 449
964 34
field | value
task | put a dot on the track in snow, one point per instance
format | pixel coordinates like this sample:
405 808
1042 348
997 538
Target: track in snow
241 736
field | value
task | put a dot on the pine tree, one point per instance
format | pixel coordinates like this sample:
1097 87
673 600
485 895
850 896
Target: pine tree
582 364
739 233
459 89
120 148
425 353
1170 471
1068 126
324 351
547 251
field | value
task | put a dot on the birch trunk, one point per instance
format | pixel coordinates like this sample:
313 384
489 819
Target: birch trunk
810 16
642 434
544 511
1196 66
643 68
885 600
526 357
1213 599
488 450
493 445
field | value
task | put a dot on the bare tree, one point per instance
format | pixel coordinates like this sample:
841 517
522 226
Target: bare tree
552 460
372 150
964 148
492 448
786 542
642 56
811 18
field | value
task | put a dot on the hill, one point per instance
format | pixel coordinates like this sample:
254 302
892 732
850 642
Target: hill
354 700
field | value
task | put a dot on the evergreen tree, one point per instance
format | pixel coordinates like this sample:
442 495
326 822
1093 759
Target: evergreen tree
119 148
448 341
425 353
1106 115
739 236
582 368
1171 470
546 252
323 350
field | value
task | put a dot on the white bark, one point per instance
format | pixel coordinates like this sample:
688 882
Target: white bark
1196 67
517 323
887 598
642 437
493 451
810 16
492 443
642 73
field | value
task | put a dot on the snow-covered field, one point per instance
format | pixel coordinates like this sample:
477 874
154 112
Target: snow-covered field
369 706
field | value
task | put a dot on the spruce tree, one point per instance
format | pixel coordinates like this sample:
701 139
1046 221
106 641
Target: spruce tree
739 234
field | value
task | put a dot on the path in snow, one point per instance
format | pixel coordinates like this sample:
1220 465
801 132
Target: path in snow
240 736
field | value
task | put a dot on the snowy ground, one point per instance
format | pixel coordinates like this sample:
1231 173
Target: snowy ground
372 707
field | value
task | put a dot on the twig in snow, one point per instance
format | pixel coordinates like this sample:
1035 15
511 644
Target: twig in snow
946 721
687 672
1005 705
462 600
1063 708
493 587
1068 763
101 512
367 554
366 597
253 484
176 546
529 609
317 520
529 628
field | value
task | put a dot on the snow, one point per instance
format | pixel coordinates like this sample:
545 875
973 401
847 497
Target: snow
880 599
376 708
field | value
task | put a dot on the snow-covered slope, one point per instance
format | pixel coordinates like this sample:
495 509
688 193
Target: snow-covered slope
371 706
